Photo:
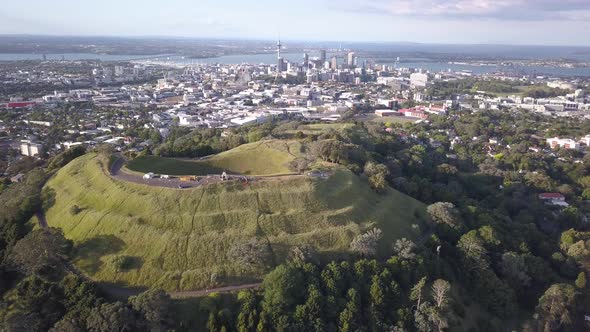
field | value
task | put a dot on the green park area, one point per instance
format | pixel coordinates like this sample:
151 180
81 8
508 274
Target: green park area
137 235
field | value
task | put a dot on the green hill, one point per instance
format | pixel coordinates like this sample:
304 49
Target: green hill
136 235
261 158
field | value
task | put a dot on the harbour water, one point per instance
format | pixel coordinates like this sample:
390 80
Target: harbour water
270 58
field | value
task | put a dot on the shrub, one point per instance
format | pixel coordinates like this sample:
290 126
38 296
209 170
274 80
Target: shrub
121 262
75 209
366 244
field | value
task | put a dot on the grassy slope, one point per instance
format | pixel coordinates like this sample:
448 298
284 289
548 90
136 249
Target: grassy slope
260 158
385 119
178 238
319 128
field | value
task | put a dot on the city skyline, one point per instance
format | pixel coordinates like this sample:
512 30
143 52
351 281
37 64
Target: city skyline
519 22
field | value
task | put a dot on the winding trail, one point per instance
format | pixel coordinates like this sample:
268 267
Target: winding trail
226 289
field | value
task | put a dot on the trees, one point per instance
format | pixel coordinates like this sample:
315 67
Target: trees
33 305
304 254
329 150
366 244
556 306
377 174
581 280
282 290
444 213
404 248
308 316
349 318
493 292
154 305
440 292
248 311
429 317
65 157
41 251
417 292
539 181
18 204
513 266
113 317
299 165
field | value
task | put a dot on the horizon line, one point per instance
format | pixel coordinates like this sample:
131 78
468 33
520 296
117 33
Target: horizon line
139 37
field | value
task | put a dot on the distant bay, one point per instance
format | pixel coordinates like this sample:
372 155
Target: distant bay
271 58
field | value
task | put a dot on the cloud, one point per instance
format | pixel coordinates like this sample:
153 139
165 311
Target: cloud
493 9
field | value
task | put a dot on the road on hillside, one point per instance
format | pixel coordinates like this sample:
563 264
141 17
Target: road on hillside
117 173
226 289
175 182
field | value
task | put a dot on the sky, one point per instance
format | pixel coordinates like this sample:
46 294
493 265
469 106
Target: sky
538 22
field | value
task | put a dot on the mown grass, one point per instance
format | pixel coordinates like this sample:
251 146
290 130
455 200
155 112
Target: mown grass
319 128
260 158
391 119
179 238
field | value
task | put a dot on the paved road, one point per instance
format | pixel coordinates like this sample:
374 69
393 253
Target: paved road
117 173
226 289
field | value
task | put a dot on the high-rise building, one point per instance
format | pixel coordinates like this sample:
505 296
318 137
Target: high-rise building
281 65
323 56
418 80
334 63
280 61
350 59
119 70
305 59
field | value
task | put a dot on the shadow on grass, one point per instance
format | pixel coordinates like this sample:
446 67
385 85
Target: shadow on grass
48 198
124 263
119 291
89 252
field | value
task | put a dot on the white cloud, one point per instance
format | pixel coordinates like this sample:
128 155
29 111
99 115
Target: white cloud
495 9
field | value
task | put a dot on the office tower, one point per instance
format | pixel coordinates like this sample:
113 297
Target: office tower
334 64
305 59
350 59
323 56
281 65
119 70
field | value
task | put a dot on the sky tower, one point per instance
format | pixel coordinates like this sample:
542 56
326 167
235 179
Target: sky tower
279 45
280 61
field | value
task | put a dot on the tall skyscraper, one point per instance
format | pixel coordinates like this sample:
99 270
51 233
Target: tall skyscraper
323 56
281 65
334 64
305 59
350 59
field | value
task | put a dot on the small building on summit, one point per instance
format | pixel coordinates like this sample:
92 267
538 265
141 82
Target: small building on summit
553 199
